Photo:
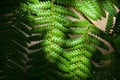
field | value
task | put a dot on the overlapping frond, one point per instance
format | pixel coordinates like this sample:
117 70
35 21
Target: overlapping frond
110 8
50 25
58 55
90 8
12 42
59 48
109 70
116 27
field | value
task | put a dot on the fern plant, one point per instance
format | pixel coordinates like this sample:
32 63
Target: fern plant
48 40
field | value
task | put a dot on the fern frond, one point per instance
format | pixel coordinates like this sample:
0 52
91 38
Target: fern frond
12 42
100 33
90 9
116 27
74 42
98 42
65 11
51 26
108 71
59 48
109 6
51 29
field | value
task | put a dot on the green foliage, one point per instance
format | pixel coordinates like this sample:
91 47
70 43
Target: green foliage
40 41
116 27
12 42
109 6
